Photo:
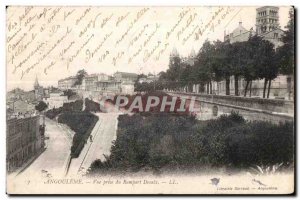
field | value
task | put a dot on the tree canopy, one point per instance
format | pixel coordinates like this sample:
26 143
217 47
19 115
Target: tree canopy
253 59
79 77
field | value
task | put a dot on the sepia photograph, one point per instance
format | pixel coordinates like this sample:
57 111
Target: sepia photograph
150 100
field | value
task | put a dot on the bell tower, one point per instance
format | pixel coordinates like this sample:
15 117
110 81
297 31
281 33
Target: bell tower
36 83
267 19
36 88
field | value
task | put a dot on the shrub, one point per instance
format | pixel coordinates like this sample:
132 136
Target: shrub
72 106
92 106
165 141
51 114
41 106
82 124
69 93
260 143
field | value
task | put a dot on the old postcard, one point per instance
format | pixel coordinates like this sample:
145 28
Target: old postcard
150 100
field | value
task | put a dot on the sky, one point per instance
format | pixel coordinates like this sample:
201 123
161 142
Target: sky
52 43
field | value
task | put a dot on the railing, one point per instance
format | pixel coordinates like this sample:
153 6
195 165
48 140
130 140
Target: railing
273 105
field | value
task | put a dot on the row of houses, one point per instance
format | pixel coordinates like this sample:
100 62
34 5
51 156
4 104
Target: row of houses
25 132
119 82
25 135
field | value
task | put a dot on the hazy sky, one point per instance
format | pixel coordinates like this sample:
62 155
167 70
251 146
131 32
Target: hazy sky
53 43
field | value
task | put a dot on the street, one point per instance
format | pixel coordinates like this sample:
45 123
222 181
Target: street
52 162
103 134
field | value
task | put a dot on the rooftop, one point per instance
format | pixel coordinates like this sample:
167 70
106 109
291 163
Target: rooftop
127 74
265 7
70 77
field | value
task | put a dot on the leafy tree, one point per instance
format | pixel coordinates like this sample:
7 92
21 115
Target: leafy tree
222 63
163 79
265 64
238 63
69 93
204 65
174 71
79 77
140 76
162 75
41 106
248 60
186 79
287 51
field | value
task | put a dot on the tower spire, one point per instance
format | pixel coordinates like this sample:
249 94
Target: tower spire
36 82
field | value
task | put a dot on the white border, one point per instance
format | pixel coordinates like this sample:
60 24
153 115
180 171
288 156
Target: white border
3 3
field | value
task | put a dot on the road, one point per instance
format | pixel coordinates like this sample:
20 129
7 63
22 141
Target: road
53 160
103 134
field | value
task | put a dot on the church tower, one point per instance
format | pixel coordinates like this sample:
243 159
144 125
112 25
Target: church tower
36 87
36 83
174 53
267 19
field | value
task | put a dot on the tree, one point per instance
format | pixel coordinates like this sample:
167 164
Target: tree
222 63
69 93
41 106
79 77
248 61
140 76
174 71
185 78
162 79
265 64
237 63
286 52
204 65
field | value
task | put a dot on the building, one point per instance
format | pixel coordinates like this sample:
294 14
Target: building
67 83
17 94
24 140
38 90
98 84
125 76
127 81
174 53
267 19
56 100
150 78
190 59
239 34
267 26
90 81
127 88
20 106
108 86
